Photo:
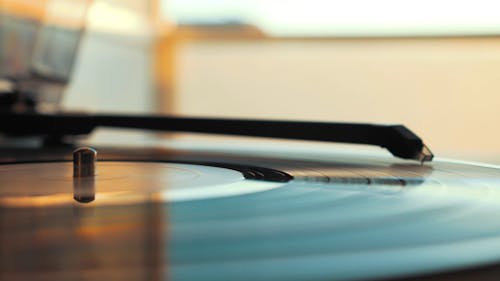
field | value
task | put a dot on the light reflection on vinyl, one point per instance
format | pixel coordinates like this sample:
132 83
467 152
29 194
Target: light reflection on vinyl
350 218
121 183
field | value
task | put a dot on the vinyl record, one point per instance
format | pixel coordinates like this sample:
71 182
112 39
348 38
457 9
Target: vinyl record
246 215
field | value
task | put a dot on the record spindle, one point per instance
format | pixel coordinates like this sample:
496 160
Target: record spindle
84 162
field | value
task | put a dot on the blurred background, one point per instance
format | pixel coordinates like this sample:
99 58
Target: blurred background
433 66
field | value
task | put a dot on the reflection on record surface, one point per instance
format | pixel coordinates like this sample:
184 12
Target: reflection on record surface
178 221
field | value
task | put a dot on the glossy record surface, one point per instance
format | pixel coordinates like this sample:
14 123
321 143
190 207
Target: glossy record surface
354 217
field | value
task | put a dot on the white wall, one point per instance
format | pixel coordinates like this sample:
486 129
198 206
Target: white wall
446 90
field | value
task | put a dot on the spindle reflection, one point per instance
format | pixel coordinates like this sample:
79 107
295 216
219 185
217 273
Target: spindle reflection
84 189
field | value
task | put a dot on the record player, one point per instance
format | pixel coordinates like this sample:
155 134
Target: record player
225 209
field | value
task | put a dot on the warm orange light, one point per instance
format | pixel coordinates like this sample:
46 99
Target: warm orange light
32 9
